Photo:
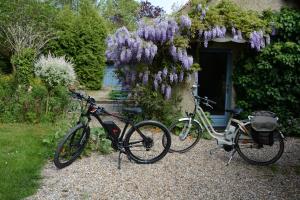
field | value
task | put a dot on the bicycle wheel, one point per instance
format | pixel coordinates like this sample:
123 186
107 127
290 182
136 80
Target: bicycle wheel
148 147
257 154
182 141
71 146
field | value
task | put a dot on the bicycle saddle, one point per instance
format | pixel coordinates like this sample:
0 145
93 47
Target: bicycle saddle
235 111
134 110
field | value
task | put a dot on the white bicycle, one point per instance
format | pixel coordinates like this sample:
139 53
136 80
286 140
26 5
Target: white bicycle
257 139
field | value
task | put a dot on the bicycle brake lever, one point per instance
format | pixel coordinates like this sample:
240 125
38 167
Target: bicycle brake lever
207 104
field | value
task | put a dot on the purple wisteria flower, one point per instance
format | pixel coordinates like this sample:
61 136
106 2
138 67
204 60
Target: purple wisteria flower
233 31
175 77
163 87
168 92
181 76
146 78
171 76
165 72
158 77
257 40
185 22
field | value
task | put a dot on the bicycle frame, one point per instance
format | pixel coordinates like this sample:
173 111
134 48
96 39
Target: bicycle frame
98 111
223 138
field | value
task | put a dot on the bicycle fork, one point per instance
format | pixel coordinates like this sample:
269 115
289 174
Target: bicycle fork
185 132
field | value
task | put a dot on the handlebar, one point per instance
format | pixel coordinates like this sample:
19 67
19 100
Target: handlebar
203 100
80 96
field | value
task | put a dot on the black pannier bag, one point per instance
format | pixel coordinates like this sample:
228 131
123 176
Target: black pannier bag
264 124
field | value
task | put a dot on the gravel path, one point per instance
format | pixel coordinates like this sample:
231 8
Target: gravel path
193 175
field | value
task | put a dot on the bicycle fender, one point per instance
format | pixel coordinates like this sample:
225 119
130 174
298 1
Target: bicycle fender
187 118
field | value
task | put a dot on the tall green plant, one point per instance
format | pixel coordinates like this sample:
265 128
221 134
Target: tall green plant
24 65
81 37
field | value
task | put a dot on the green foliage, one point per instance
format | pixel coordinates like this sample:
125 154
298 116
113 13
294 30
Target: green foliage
37 13
154 105
24 65
118 13
99 142
62 126
21 103
270 80
288 25
81 37
228 14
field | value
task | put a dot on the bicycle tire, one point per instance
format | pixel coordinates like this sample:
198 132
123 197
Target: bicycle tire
130 145
84 136
247 139
177 143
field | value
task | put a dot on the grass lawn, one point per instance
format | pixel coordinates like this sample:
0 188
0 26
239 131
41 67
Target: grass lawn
22 156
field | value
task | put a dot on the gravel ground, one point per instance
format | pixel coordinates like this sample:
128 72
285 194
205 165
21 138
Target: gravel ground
193 175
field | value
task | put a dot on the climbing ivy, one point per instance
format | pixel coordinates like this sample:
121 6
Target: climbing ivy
270 80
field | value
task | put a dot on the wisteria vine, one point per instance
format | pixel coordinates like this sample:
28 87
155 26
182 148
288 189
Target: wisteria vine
150 56
258 39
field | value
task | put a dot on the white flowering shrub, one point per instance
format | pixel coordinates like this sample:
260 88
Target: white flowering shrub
55 71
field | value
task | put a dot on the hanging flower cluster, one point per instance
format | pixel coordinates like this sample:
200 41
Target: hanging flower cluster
258 40
210 34
128 48
150 56
161 31
237 34
209 24
185 22
202 10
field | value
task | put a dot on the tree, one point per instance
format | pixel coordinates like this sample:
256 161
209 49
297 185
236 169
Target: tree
24 24
149 10
119 13
81 37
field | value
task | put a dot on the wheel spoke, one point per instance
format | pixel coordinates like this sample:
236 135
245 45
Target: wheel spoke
150 147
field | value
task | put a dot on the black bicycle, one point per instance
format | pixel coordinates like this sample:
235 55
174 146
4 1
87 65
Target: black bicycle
145 142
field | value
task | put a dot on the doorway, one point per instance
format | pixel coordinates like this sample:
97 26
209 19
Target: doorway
215 82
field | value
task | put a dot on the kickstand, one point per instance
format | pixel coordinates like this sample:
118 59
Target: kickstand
119 160
231 156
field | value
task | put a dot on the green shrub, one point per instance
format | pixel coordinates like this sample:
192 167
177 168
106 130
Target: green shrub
270 80
81 37
21 103
155 106
99 142
24 65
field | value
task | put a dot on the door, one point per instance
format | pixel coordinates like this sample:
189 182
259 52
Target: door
215 82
